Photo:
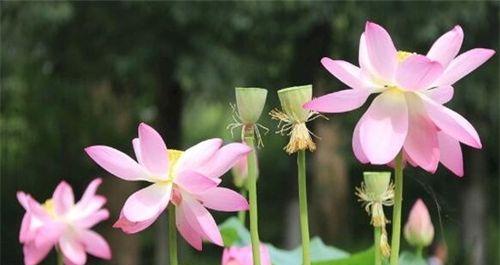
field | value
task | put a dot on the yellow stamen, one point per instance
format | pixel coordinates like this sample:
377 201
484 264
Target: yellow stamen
402 55
173 158
50 208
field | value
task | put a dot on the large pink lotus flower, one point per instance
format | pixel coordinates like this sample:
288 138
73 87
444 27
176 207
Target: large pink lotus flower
243 256
408 114
188 179
63 223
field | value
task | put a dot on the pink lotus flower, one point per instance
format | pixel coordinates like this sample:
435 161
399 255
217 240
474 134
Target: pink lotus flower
243 256
188 179
59 221
408 114
419 230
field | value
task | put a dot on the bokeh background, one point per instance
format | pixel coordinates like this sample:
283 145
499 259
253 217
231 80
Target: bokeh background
75 74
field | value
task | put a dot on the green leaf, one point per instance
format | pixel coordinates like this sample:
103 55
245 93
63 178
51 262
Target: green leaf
365 257
319 252
234 233
409 258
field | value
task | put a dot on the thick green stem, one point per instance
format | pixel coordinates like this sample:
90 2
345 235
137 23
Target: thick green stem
419 251
376 245
396 215
252 195
172 236
304 223
60 258
243 214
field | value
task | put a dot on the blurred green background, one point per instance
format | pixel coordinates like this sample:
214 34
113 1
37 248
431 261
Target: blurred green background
74 74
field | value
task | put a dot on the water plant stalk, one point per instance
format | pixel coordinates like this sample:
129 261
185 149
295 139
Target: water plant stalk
60 258
396 214
376 245
304 223
249 139
172 237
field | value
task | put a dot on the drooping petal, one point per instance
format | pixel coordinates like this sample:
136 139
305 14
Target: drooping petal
440 94
116 162
447 46
153 150
187 232
356 145
345 72
147 202
421 143
223 160
223 199
89 221
201 220
341 101
33 254
384 127
381 51
417 72
94 244
49 233
195 182
72 249
452 123
63 197
451 154
463 65
130 227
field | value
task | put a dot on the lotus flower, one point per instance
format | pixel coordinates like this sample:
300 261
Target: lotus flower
243 256
188 179
408 114
63 223
419 230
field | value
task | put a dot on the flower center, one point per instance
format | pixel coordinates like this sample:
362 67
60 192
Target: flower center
403 55
50 208
173 158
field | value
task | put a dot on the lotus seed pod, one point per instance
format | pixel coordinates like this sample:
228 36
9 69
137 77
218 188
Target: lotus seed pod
250 102
293 98
377 183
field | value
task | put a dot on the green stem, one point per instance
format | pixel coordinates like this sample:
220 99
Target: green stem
419 251
376 245
172 236
304 226
396 215
60 258
243 214
252 195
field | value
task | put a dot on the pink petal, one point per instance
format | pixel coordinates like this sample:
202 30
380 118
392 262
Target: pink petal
345 72
195 182
381 50
384 127
93 219
201 220
22 198
341 101
37 211
95 244
447 46
147 202
90 191
440 94
224 159
33 254
187 232
49 233
463 65
63 197
136 143
116 162
451 154
24 232
133 227
72 249
421 143
198 154
83 211
452 123
223 199
417 72
356 145
153 150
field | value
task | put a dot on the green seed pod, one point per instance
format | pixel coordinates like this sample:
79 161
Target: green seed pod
377 183
292 99
250 102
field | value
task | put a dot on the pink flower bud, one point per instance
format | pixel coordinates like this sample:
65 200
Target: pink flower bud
419 230
243 256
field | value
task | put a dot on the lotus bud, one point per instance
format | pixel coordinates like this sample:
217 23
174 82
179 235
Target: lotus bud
293 117
250 102
240 172
243 256
419 231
